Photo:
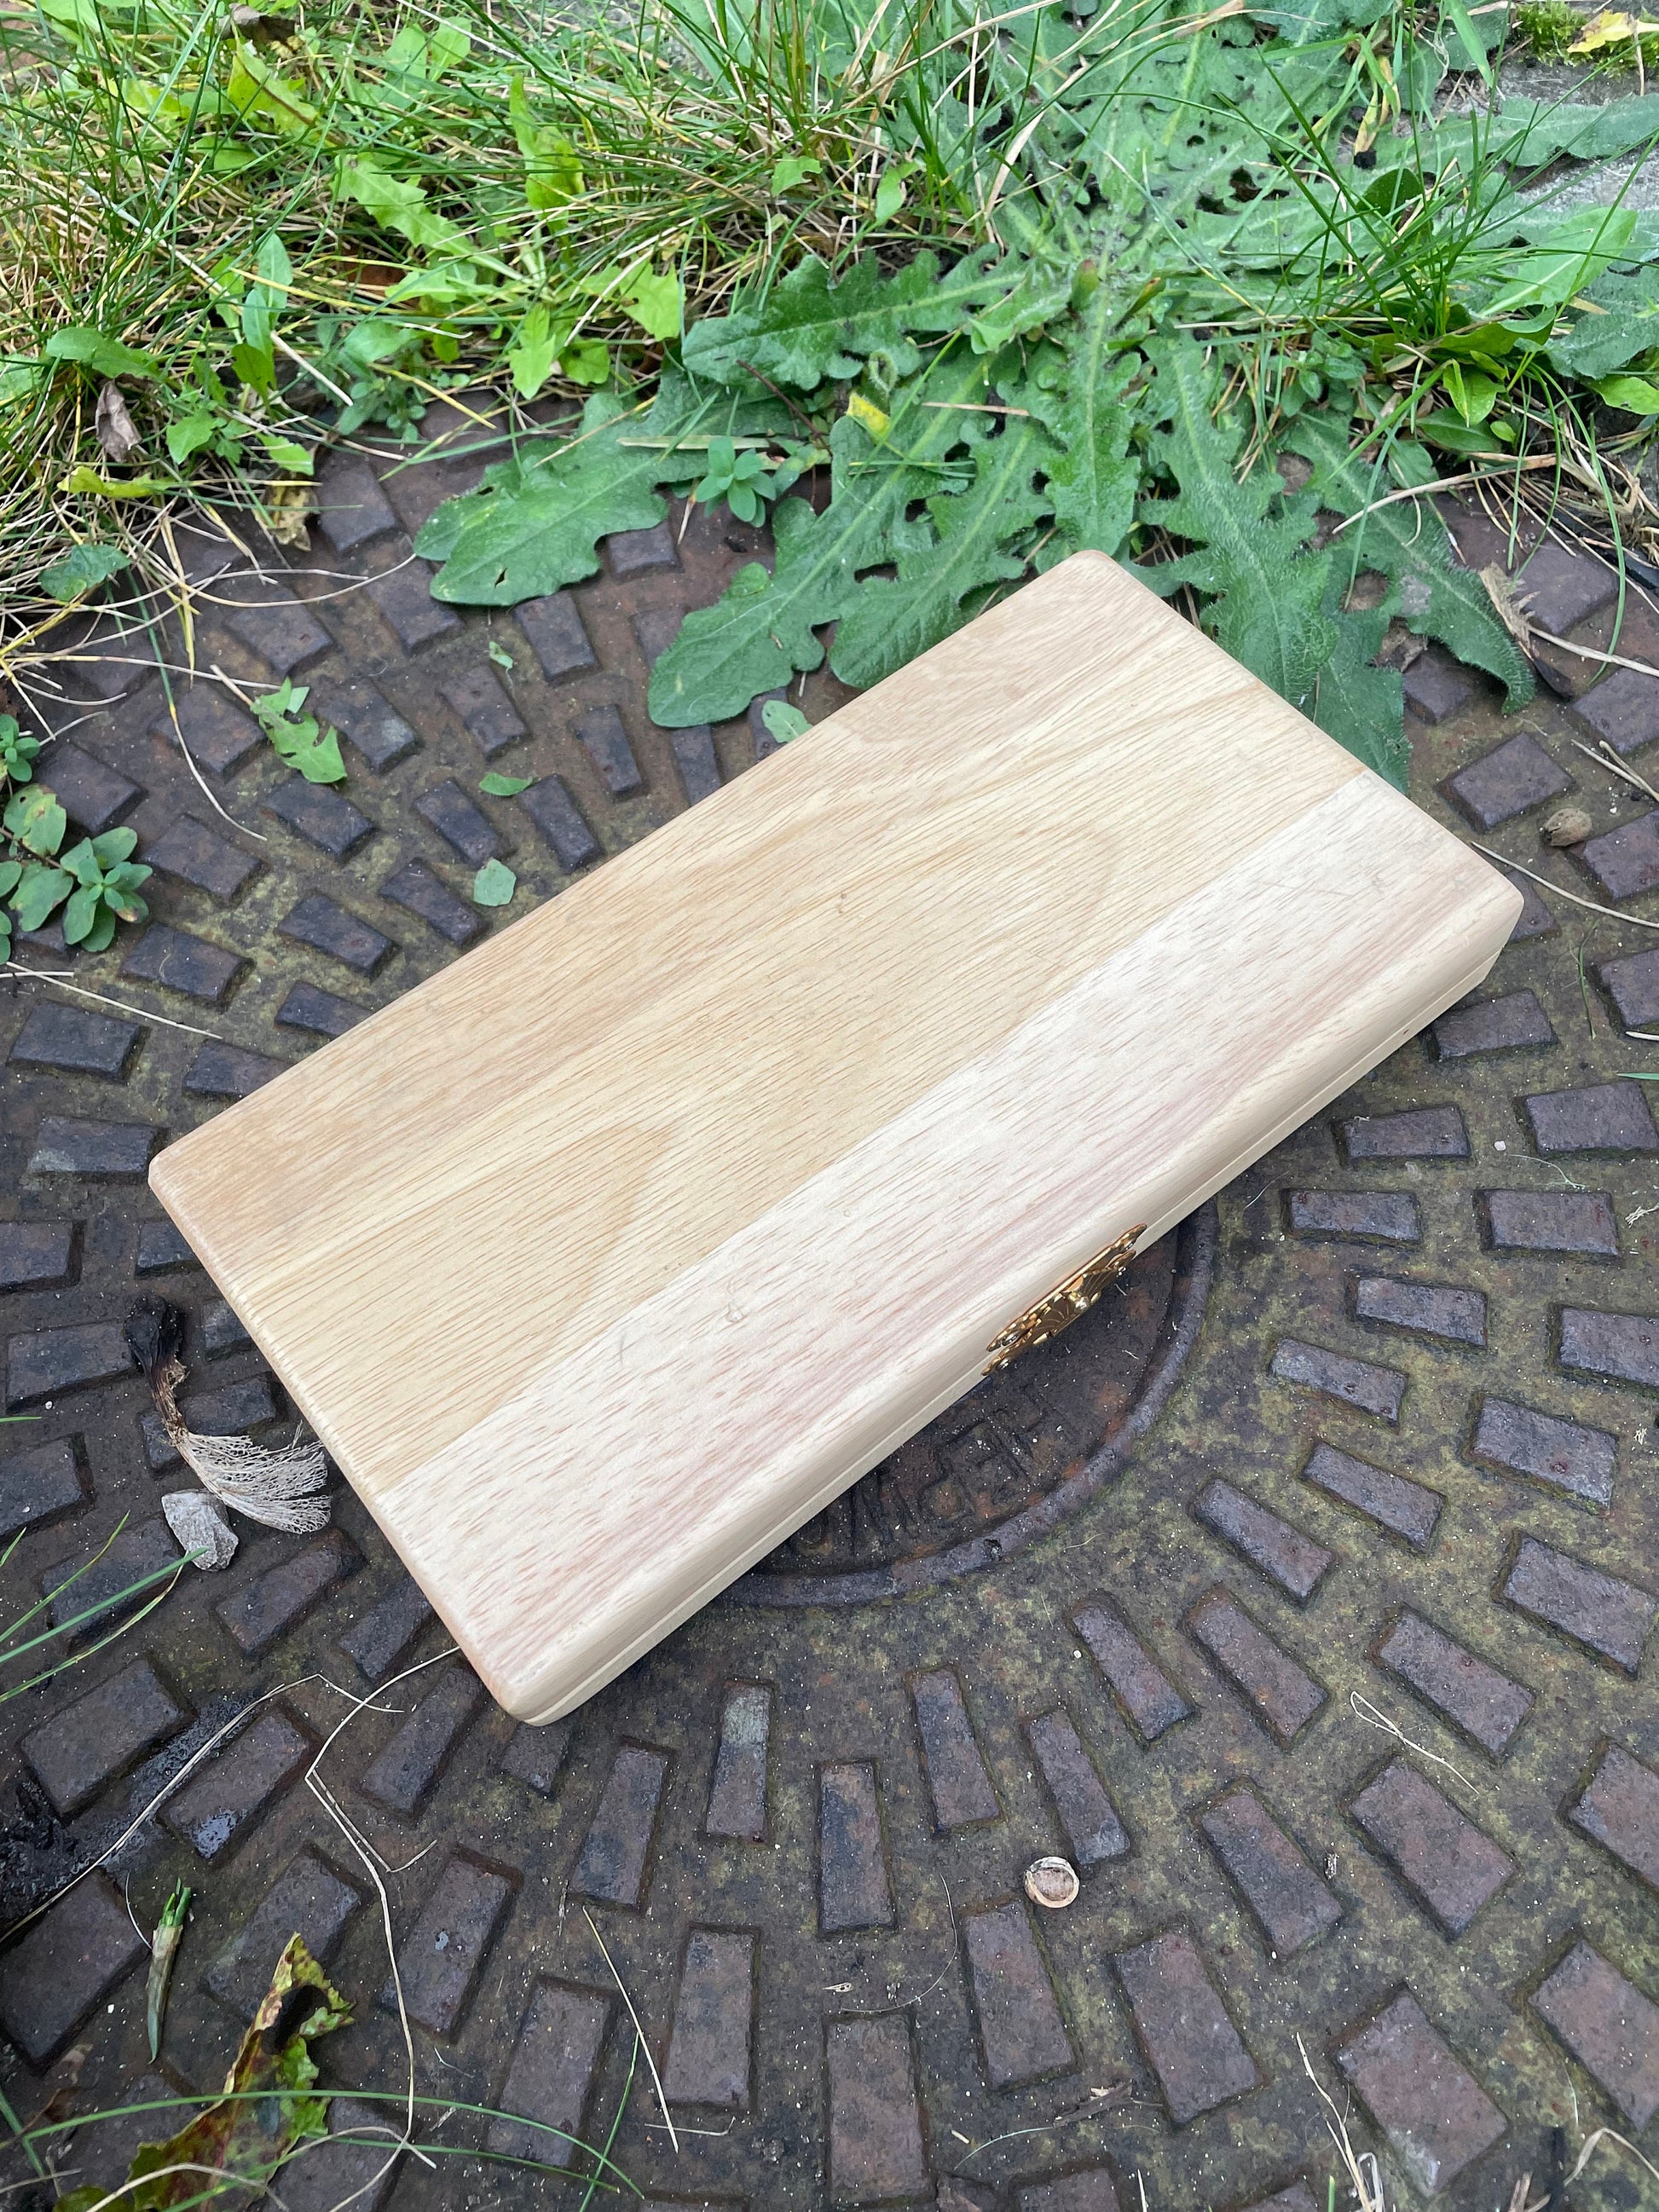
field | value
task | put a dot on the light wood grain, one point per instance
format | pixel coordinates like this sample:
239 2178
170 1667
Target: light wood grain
607 1257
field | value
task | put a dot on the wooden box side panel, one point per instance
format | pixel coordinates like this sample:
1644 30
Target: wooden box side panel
499 1167
565 1532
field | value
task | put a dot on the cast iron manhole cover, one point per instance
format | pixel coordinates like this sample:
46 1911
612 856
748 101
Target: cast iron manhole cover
1337 1692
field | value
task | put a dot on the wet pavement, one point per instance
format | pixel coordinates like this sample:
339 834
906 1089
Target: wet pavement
1300 1596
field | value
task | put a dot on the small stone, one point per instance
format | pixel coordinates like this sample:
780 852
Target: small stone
1052 1882
1568 825
200 1526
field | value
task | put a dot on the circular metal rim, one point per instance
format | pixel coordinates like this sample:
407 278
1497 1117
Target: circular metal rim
1195 1252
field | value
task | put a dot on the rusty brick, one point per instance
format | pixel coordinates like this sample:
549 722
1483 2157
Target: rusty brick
180 962
357 710
418 892
1549 1221
89 1597
1358 1382
45 1363
1505 783
709 2042
1090 2191
38 1485
1443 1859
555 2064
1293 1905
357 2164
1625 862
602 733
1022 2035
94 1149
697 761
75 1040
1430 2107
1559 588
1422 1133
308 1898
91 793
215 730
1150 1701
488 715
38 1256
737 1794
553 627
1623 708
1609 2027
320 1012
223 1798
190 851
1388 1216
161 1247
404 596
1436 686
69 1960
1436 1310
220 1070
1192 2045
1293 1560
1623 1347
615 1858
1619 1808
957 1780
1560 1454
269 1606
1502 1025
460 823
405 1774
272 622
351 508
636 552
1405 1508
83 1748
221 1329
1606 1615
1283 1696
319 814
535 1756
444 1954
1601 1117
560 820
1632 982
875 2120
853 1888
382 1639
1479 1702
1094 1832
318 922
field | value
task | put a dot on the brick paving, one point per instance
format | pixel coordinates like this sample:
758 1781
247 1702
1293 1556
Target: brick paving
1371 1442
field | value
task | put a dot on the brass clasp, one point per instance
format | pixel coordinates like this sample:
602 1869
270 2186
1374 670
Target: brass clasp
1060 1307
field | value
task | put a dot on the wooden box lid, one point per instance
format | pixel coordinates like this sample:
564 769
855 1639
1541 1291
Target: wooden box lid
608 1256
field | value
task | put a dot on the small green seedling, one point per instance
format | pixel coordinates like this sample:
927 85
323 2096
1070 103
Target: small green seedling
18 751
783 722
163 1954
739 475
300 739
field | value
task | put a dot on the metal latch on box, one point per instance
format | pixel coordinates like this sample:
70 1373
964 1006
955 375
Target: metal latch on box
1061 1307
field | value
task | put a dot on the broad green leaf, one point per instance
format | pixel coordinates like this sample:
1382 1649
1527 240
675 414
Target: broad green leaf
1406 542
494 884
115 846
889 192
1042 296
81 914
1266 608
794 169
1562 258
809 328
86 566
535 526
1636 395
893 619
1472 394
104 356
1356 702
1620 321
187 437
763 631
656 303
254 88
496 785
10 875
41 891
35 819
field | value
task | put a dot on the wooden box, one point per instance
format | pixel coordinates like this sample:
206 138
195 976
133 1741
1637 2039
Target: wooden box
605 1258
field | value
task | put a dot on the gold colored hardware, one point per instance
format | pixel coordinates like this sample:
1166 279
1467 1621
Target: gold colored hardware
1060 1307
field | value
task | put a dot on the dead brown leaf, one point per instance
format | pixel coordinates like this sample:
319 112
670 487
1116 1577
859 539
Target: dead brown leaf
1507 605
116 431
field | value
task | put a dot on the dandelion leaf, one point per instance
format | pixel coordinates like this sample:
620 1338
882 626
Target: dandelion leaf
1356 702
764 629
1408 544
809 329
894 618
536 525
1621 321
1092 480
1267 595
